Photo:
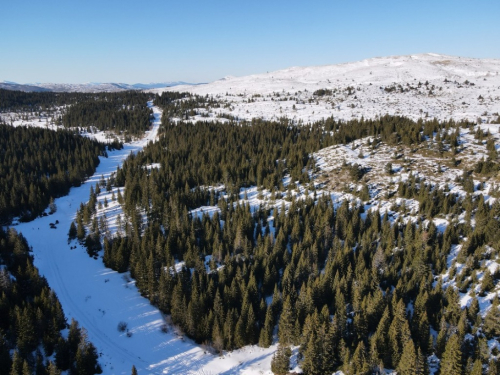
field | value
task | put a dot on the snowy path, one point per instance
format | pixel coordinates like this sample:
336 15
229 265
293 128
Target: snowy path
99 298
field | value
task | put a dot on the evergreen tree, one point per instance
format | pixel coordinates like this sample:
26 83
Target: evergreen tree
408 362
492 320
399 332
72 231
312 357
451 363
17 364
477 368
280 364
266 333
286 324
52 369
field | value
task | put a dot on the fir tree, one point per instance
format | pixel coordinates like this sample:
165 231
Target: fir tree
407 364
451 363
280 364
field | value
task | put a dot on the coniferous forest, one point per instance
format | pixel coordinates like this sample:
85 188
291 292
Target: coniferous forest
354 290
122 113
349 288
31 320
38 165
20 101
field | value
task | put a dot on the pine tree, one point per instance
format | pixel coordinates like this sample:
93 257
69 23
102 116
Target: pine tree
492 320
492 367
72 231
52 369
86 358
17 364
312 357
287 323
134 370
487 283
399 332
359 361
380 339
421 367
477 368
280 364
407 364
451 363
266 333
63 355
26 368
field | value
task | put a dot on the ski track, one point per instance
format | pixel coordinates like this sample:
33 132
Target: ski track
100 298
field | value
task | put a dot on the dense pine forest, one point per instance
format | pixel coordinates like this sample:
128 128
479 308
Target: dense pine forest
20 101
31 320
355 290
38 165
123 113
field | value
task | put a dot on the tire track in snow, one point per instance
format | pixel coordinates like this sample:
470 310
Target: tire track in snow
85 320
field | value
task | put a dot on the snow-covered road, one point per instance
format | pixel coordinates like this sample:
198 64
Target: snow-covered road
99 298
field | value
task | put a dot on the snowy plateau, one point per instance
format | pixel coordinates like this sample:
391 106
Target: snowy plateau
415 86
418 86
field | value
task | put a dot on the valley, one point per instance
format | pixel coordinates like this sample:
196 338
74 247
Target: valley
337 219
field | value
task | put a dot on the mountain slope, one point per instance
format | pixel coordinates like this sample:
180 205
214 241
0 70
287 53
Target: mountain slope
86 87
423 85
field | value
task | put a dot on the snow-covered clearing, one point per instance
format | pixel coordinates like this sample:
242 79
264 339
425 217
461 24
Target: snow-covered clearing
100 298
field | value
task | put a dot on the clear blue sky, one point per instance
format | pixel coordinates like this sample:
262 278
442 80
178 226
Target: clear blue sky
199 41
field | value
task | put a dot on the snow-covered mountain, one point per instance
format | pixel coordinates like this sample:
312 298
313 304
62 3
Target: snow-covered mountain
422 85
87 87
20 87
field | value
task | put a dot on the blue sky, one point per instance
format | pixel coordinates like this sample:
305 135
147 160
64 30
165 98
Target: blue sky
200 41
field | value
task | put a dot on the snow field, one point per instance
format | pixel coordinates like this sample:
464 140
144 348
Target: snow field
393 85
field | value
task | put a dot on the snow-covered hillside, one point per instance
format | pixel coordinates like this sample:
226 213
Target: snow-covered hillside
423 85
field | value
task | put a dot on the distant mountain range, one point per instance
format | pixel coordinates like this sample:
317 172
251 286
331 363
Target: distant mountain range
86 87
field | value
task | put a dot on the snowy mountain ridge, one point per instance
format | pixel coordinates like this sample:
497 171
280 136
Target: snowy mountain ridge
416 86
87 87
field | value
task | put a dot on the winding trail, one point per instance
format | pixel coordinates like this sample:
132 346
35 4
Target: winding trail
100 298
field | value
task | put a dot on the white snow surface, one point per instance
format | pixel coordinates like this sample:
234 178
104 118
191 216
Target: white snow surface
100 298
467 79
